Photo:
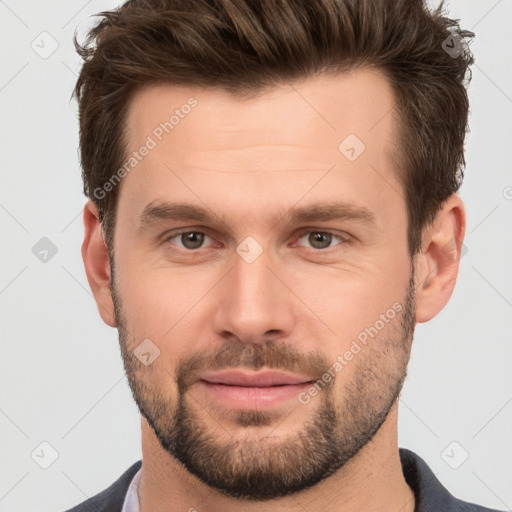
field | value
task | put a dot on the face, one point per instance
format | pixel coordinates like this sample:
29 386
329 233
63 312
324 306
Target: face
265 337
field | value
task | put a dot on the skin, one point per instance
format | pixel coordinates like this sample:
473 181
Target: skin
249 160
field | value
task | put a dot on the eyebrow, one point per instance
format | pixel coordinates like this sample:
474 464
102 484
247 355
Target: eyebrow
154 213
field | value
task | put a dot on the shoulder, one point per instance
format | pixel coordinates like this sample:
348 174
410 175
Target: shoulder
112 498
431 495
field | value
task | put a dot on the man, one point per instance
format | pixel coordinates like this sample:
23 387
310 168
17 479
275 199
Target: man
273 207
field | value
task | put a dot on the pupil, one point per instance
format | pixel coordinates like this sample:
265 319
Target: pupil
192 240
317 238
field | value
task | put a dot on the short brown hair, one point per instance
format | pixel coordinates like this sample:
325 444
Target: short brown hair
245 46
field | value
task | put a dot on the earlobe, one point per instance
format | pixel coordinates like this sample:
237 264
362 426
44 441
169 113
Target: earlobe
97 263
437 265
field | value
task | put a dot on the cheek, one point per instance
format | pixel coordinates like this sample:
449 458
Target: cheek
349 303
161 306
151 297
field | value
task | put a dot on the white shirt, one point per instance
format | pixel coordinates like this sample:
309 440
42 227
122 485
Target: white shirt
131 500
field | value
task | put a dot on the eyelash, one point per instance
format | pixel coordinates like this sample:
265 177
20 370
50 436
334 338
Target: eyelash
344 239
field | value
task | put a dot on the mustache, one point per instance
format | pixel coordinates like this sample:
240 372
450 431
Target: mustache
273 355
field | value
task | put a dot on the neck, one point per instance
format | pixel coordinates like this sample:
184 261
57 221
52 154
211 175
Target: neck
372 481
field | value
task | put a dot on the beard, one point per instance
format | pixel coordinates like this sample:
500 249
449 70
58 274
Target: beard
264 467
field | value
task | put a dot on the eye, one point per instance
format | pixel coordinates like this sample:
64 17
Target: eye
321 240
189 240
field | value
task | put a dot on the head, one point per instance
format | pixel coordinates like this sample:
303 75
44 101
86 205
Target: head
272 187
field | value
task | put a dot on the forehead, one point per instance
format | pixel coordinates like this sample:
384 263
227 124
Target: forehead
330 106
275 144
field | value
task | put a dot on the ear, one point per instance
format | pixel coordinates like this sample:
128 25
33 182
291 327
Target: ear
97 264
437 265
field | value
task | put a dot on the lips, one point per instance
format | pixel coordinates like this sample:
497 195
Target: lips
261 379
238 389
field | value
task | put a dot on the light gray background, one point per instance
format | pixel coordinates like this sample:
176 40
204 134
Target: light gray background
62 380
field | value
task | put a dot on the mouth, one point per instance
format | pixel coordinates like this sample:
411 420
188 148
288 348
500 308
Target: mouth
239 389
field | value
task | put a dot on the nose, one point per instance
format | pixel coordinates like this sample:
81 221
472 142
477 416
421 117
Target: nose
254 303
